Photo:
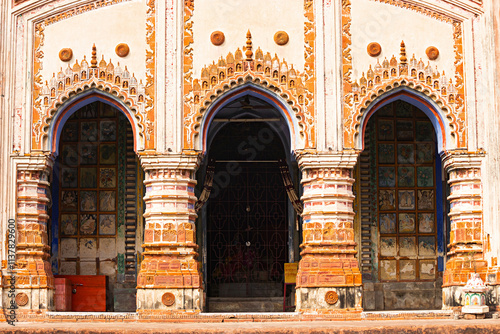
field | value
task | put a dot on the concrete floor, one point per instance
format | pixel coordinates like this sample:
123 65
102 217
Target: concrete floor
428 326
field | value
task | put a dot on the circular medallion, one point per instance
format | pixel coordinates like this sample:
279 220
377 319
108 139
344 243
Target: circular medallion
281 38
217 38
331 297
21 299
374 49
66 54
432 52
122 50
168 299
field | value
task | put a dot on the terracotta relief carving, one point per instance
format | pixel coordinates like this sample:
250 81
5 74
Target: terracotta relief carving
231 71
449 94
374 49
392 74
236 69
122 50
40 111
81 76
432 52
66 54
217 38
281 38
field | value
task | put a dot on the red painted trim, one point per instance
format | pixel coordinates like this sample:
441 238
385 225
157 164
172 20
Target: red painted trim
220 103
412 96
102 97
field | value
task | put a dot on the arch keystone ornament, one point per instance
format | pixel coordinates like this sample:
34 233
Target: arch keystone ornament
328 250
265 75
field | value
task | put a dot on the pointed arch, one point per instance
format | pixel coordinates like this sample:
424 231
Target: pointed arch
270 74
114 82
248 88
71 105
442 127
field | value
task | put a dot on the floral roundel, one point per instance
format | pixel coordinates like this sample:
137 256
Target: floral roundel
21 299
331 297
168 299
374 49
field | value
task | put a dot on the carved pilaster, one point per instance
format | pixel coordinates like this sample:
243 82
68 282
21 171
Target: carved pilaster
170 277
328 266
465 253
33 273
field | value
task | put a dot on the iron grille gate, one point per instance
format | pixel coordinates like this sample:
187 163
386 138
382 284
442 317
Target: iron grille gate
247 233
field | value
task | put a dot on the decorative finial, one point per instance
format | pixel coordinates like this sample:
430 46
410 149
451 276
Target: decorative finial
93 62
403 53
248 48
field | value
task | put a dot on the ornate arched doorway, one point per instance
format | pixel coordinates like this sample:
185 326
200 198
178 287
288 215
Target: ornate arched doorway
401 210
96 229
248 223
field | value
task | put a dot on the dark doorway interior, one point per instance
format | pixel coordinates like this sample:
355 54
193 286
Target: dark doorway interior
247 220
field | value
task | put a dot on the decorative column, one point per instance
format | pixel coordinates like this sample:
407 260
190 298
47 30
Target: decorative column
33 276
169 278
465 255
328 279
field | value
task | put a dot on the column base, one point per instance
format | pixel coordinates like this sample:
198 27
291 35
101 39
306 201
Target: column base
329 300
453 297
29 299
169 300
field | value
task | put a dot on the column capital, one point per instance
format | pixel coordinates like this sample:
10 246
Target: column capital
462 159
170 161
34 162
341 159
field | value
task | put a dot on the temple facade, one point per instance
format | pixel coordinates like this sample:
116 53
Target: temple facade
188 151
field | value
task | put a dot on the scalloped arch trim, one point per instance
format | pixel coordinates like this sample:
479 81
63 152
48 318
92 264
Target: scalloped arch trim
443 98
268 73
116 85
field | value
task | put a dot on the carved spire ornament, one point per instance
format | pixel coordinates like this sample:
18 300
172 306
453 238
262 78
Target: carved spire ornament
93 62
248 48
403 53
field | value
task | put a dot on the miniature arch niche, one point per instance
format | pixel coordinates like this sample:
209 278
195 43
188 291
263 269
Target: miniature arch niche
67 109
426 105
277 102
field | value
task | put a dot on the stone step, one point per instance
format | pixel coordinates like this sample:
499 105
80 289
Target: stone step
257 304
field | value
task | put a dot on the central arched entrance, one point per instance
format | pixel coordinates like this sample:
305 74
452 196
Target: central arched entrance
248 224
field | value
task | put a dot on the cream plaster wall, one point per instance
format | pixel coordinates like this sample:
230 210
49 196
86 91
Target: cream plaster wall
490 111
234 18
106 27
387 25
